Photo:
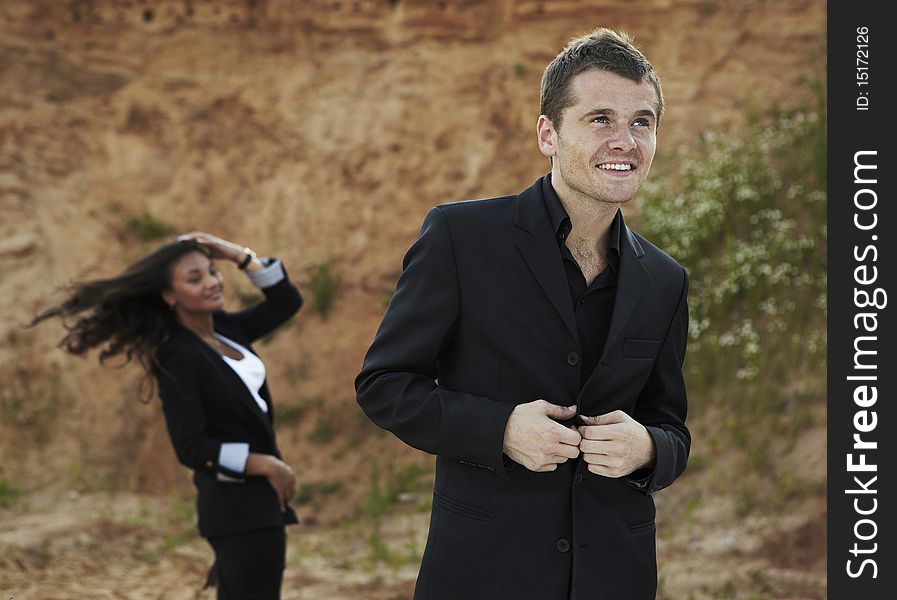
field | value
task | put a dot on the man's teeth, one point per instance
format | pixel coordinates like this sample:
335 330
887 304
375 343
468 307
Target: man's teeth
615 167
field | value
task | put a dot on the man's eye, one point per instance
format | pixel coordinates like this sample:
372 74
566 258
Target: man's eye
600 119
642 122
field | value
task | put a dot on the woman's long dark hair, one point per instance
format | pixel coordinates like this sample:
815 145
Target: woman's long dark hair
125 312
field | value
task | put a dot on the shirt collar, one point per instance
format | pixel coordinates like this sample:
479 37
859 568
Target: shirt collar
560 220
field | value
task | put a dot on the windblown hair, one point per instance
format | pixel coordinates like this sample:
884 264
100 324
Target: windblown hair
125 314
603 49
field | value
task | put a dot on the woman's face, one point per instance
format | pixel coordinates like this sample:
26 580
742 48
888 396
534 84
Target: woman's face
196 285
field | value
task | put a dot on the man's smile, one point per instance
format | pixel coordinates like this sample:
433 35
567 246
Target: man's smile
617 167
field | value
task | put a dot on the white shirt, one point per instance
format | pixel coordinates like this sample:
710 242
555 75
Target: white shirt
250 368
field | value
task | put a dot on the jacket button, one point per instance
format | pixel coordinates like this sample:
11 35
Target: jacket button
573 358
563 545
577 478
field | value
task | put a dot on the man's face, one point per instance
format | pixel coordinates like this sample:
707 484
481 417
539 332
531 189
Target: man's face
606 142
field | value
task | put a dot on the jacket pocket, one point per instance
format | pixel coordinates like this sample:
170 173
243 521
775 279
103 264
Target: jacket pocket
633 348
642 527
464 510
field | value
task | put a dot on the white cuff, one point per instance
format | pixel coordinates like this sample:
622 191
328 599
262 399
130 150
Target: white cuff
233 455
272 274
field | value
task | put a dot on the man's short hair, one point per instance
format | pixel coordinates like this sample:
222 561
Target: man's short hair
601 49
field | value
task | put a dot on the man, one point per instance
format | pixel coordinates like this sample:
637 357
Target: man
535 345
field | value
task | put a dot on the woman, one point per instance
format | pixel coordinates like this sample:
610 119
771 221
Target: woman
166 312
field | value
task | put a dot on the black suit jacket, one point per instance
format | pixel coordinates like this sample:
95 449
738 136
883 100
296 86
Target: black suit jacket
206 404
481 321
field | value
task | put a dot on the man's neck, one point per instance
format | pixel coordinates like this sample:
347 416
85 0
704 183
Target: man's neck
591 220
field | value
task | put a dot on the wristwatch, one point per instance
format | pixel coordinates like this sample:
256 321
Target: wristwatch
246 259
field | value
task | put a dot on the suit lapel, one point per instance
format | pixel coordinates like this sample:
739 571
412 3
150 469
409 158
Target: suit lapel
246 399
631 284
539 248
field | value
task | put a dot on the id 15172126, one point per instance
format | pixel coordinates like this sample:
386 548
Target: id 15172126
862 68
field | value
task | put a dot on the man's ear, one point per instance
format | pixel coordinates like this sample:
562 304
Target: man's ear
546 135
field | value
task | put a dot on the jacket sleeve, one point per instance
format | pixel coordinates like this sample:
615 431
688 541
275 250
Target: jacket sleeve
397 387
663 405
180 392
282 301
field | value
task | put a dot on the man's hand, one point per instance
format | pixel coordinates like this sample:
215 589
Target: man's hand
535 440
615 444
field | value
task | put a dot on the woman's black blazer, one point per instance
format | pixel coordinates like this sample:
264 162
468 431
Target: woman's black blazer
206 404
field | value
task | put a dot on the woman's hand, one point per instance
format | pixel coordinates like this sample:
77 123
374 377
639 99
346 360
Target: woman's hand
279 474
218 248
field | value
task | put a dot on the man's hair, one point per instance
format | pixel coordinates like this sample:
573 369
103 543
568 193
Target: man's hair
601 49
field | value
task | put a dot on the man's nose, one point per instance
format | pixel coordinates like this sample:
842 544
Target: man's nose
621 139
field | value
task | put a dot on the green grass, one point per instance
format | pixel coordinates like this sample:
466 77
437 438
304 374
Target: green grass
179 522
290 414
383 495
148 228
323 432
298 372
324 285
8 494
308 493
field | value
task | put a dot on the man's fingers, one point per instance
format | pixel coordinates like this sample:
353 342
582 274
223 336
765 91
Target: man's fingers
567 450
599 447
597 469
568 436
608 432
598 459
606 471
559 412
589 420
617 416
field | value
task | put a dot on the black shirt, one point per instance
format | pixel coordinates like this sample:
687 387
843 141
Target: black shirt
593 303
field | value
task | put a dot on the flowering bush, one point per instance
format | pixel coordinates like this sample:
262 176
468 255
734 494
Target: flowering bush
746 216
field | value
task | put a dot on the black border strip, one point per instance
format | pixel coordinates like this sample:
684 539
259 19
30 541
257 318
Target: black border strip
862 268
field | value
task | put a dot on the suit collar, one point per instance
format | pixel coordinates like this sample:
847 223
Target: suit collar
562 225
542 253
538 245
531 213
633 280
246 398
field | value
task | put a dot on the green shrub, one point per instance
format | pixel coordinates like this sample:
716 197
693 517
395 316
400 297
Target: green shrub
148 228
324 285
746 216
308 492
322 433
8 494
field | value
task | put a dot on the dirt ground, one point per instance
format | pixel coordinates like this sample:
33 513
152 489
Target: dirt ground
128 546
